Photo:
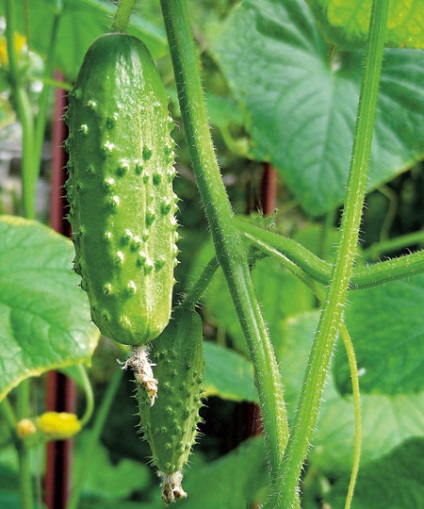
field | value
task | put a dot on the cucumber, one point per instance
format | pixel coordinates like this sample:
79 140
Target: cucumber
170 425
122 206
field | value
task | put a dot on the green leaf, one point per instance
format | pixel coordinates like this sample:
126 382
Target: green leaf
227 374
393 482
386 324
80 23
44 315
387 420
230 482
300 100
109 480
346 22
10 499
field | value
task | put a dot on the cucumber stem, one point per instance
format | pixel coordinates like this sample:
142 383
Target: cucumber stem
332 314
230 250
122 16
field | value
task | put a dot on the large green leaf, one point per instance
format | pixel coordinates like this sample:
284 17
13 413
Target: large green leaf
44 315
106 479
393 482
80 23
230 482
346 22
300 100
228 374
387 420
387 328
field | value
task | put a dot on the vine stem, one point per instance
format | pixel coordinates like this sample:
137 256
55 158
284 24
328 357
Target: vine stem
332 313
350 351
43 103
99 423
9 415
24 111
89 395
400 242
353 367
321 271
122 16
194 294
230 250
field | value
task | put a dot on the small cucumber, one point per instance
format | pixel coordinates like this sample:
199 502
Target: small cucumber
170 425
120 189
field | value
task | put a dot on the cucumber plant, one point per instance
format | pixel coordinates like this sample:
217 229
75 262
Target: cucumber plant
123 217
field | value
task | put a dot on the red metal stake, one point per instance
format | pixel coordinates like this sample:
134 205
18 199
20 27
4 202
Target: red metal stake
268 190
60 389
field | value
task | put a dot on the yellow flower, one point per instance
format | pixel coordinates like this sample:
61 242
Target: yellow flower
25 428
58 426
19 42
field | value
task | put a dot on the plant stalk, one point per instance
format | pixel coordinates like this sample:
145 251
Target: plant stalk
43 103
400 242
96 431
122 16
25 115
89 395
321 271
230 251
347 342
332 314
193 296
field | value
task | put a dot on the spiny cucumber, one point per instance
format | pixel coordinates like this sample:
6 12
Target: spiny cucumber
120 189
170 425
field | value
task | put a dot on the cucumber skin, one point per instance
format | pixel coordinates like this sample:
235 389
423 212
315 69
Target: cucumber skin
170 425
120 189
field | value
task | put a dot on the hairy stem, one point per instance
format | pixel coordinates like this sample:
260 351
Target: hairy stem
332 314
400 242
321 271
193 296
122 16
230 250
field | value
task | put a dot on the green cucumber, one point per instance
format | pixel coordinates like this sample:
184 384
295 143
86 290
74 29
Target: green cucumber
120 189
170 425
